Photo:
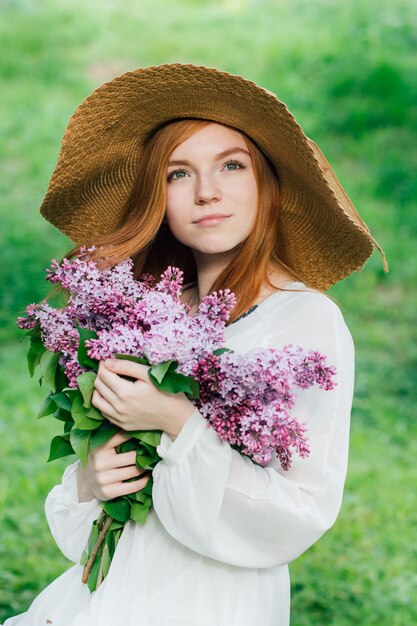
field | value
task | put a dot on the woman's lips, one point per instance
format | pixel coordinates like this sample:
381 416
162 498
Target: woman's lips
211 220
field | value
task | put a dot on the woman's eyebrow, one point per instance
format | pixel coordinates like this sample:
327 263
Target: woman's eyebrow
221 155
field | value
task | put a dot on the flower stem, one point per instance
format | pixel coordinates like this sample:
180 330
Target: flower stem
100 539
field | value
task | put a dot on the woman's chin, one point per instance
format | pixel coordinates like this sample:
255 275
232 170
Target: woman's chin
216 249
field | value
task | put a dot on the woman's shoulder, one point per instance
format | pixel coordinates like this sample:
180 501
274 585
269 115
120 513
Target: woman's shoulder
301 310
297 297
295 315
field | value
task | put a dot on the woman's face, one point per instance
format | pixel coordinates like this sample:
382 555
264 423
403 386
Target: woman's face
211 190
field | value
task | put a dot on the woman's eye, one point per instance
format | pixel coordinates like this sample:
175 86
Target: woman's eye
172 175
235 165
231 166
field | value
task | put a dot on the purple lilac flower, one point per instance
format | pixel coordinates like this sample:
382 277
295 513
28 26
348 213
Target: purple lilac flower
309 368
120 339
246 398
31 319
72 369
217 306
171 282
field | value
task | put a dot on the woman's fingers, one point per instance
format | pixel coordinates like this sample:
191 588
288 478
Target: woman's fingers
120 474
123 367
100 403
105 463
110 381
122 459
105 392
116 440
110 470
126 488
114 490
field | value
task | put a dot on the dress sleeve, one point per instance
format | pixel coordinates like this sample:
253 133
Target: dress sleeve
218 503
69 520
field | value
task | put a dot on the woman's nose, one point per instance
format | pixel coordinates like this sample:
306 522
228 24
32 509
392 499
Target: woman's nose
207 190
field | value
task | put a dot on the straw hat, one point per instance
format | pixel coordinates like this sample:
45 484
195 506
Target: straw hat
323 235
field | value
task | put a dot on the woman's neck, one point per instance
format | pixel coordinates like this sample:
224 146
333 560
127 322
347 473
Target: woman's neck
209 268
208 272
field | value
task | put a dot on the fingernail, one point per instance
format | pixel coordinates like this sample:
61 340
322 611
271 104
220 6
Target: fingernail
110 363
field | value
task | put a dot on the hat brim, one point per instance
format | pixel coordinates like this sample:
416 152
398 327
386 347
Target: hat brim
323 235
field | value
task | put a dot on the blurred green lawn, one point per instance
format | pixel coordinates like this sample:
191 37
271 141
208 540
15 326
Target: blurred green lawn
347 71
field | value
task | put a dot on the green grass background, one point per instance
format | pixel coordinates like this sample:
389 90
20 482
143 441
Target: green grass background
348 71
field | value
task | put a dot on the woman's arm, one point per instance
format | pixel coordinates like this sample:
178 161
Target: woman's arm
72 506
69 519
220 504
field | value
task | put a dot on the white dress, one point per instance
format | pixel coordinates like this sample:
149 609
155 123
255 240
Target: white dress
214 550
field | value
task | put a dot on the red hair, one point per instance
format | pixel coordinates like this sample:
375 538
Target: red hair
145 237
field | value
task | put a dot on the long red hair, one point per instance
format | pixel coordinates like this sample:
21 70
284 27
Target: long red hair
143 235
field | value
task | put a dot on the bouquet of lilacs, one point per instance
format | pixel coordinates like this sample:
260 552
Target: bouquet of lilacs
246 398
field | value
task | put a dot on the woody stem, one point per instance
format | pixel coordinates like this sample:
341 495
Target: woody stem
100 539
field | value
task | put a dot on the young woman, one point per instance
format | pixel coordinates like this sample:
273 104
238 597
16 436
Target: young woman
193 167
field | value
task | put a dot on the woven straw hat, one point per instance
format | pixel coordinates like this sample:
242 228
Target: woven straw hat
323 235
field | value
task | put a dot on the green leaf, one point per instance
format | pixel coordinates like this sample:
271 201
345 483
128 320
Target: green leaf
92 579
80 441
130 357
47 407
139 512
83 359
110 540
174 382
34 332
68 426
159 371
151 437
147 490
36 349
116 526
36 345
61 380
128 446
144 461
93 536
86 385
145 500
49 361
105 559
194 392
60 447
220 351
102 434
83 422
84 558
150 450
62 400
95 414
145 494
63 416
118 508
91 363
80 415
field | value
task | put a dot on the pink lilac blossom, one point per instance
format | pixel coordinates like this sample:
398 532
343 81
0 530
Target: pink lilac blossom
247 398
134 317
121 339
171 282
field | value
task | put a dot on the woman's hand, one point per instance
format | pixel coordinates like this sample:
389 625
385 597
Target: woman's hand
138 405
105 471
